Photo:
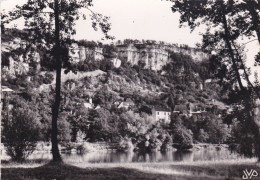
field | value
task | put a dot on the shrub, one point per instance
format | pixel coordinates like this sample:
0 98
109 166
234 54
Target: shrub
183 138
125 145
20 133
202 136
48 78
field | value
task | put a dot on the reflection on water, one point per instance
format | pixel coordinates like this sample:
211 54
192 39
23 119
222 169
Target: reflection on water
110 156
188 156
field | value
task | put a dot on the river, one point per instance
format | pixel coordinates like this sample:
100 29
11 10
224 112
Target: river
128 157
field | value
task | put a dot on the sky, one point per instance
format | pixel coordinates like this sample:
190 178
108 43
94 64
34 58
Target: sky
140 19
135 19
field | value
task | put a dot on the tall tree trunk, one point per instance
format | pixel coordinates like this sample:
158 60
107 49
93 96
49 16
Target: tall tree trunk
231 53
56 106
256 113
246 75
252 7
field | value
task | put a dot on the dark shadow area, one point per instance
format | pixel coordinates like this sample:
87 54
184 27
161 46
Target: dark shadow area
61 171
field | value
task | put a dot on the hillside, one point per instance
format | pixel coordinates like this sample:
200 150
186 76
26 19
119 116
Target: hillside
153 89
147 68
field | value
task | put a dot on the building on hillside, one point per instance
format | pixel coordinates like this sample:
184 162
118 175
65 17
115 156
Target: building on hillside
128 103
189 109
90 105
162 114
181 110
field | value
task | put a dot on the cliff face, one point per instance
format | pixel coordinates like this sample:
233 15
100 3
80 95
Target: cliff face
155 56
196 54
81 53
17 60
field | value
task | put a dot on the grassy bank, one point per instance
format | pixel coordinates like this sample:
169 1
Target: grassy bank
176 170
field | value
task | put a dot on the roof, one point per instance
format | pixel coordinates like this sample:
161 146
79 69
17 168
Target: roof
6 89
158 108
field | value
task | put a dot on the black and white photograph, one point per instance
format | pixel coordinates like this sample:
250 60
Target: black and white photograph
130 89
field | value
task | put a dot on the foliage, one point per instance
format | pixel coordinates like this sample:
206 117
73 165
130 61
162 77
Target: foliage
20 132
225 27
125 145
243 121
63 14
182 137
202 136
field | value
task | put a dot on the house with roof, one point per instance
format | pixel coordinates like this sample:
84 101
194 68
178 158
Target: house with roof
90 105
189 109
181 110
128 103
161 114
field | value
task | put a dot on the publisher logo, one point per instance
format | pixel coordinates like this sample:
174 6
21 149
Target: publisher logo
248 174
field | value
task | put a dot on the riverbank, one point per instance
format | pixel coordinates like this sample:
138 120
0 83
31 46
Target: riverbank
225 169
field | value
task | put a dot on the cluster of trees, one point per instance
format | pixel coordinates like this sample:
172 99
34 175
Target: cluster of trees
109 123
227 22
53 31
31 122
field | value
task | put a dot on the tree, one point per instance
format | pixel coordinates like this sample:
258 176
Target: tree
202 136
225 26
20 132
39 16
182 136
221 35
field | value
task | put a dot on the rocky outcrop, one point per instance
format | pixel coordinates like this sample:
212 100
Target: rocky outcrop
81 53
149 56
196 54
18 62
155 56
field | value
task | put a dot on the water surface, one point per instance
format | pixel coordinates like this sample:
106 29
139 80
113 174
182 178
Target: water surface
119 157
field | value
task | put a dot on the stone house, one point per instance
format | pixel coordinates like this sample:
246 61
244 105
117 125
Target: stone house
189 109
161 114
90 105
181 110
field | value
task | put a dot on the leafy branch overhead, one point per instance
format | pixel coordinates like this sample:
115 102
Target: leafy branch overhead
226 22
39 19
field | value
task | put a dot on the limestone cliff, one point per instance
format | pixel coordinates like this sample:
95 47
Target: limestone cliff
155 56
17 59
82 53
152 56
